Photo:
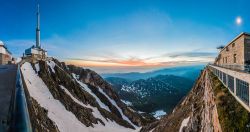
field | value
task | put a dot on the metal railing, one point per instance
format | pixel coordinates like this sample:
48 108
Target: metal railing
238 87
20 120
236 67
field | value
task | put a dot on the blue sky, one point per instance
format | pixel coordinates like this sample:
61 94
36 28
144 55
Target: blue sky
124 33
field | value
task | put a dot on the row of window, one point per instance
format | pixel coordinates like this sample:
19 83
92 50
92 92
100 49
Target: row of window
227 49
224 59
241 88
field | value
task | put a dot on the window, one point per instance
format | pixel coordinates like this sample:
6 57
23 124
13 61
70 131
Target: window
227 49
234 58
242 90
226 59
233 44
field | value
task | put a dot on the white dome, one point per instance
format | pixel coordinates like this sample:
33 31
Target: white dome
1 42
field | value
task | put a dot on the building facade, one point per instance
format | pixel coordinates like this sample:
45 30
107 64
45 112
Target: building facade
5 54
236 54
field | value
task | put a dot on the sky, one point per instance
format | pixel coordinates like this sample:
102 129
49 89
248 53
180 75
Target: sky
125 35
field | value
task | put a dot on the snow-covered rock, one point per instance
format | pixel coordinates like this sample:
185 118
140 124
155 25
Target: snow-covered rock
72 104
159 113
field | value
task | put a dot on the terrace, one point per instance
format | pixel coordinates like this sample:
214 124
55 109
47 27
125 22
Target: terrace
237 81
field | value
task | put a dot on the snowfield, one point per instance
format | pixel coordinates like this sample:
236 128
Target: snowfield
184 123
109 125
86 88
65 120
159 113
119 109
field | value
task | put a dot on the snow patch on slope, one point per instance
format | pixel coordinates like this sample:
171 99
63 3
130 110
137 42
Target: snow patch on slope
86 88
37 67
64 120
52 65
119 109
159 113
184 123
109 125
128 103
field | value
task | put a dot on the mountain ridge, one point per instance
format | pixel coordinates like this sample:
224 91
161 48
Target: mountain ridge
68 93
147 94
190 72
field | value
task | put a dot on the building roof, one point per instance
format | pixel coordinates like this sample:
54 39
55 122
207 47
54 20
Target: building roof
1 43
243 33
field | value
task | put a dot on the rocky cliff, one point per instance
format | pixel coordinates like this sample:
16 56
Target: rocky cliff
69 98
208 107
197 111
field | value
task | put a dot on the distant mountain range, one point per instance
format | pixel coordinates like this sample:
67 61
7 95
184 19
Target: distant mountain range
162 92
154 91
191 72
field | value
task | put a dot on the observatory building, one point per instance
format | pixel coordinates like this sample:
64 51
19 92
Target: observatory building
236 54
36 52
5 55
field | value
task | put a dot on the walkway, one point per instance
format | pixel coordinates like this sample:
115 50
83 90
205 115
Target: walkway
7 85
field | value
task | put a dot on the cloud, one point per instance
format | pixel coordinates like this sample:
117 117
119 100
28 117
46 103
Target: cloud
193 54
156 61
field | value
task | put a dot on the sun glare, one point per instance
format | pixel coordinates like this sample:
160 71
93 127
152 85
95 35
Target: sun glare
238 20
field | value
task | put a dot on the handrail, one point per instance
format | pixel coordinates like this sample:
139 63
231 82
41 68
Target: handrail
20 121
221 73
237 67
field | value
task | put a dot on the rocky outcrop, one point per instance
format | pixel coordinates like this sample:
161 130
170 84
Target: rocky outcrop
53 80
63 83
40 122
197 112
96 81
38 115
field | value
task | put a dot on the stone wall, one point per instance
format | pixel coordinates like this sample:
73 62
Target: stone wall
234 48
4 59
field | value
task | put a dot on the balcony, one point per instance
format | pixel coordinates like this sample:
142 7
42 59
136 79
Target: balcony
237 79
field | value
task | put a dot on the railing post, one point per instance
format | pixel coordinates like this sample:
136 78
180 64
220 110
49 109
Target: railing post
248 96
234 85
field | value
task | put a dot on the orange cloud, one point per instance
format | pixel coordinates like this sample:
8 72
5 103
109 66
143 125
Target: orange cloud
111 63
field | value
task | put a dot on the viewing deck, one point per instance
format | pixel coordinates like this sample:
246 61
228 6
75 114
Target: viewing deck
7 86
237 81
14 115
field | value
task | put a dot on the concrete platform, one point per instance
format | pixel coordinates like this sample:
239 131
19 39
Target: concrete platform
7 85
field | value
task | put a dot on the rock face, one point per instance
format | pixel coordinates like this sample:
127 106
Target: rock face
95 81
80 92
197 112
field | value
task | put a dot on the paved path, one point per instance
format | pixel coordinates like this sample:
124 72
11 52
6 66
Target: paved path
7 85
